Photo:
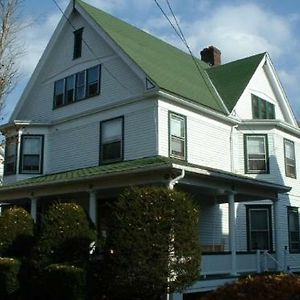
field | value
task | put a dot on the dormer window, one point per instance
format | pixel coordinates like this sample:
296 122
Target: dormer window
262 109
77 43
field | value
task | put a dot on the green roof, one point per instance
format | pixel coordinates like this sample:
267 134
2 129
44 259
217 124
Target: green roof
232 78
170 68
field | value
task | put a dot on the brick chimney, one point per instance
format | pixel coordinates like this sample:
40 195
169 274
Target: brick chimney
211 55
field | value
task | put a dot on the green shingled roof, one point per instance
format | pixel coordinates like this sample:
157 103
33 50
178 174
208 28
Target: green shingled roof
232 78
170 68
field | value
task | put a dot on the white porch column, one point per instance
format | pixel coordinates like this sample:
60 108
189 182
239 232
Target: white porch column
33 208
279 247
93 206
232 232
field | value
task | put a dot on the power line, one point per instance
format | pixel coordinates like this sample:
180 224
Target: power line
91 50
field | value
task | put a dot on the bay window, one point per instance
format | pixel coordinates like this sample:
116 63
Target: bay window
10 155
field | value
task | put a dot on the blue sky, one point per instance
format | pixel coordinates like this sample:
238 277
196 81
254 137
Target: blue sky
239 28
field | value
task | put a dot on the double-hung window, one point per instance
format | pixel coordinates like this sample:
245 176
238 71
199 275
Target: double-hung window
111 140
59 87
259 227
289 158
177 136
256 153
31 158
293 227
80 85
10 156
93 81
70 89
262 109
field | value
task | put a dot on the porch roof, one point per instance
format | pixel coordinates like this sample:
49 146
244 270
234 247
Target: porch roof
158 165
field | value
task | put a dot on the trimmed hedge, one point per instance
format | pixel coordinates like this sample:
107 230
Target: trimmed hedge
64 282
9 271
260 287
17 229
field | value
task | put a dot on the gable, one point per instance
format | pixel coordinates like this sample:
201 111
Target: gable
265 85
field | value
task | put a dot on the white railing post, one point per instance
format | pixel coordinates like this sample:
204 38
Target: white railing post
278 248
258 265
92 206
232 232
33 208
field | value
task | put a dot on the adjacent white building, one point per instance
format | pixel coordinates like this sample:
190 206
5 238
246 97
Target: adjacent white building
110 106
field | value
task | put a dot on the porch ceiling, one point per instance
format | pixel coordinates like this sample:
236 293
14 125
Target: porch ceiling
152 170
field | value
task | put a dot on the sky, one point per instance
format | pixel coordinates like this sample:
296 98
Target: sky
239 28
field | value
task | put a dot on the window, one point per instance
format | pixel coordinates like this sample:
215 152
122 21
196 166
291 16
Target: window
70 89
259 230
77 43
10 155
256 153
93 80
111 133
31 154
289 158
293 226
262 109
59 93
177 136
80 85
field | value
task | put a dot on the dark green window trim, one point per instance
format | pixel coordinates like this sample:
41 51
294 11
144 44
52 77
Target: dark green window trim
40 156
262 109
251 159
250 231
294 234
102 159
289 162
83 88
182 138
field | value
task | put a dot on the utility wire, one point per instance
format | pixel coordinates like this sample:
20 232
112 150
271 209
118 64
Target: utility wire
91 50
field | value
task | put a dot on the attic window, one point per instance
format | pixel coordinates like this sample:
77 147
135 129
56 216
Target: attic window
77 43
262 109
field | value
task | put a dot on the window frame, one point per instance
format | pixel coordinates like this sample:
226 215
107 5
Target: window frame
41 156
184 139
55 95
77 46
267 208
67 90
14 171
262 109
87 85
293 209
84 86
108 161
246 160
285 159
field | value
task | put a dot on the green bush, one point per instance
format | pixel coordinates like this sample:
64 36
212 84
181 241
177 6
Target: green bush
65 236
16 227
9 283
65 282
154 244
264 287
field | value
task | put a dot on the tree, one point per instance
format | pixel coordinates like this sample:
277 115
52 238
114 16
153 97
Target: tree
10 48
154 243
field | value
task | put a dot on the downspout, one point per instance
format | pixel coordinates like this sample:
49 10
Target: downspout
176 180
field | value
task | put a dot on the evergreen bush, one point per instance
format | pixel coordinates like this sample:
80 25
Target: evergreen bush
65 282
152 245
9 283
65 236
260 287
17 229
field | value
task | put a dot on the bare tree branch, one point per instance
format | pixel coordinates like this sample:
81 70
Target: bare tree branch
10 47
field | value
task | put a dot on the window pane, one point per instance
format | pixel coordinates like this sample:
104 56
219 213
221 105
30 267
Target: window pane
31 154
256 144
80 85
77 43
262 109
31 145
177 147
70 88
93 81
177 126
255 110
59 93
256 150
260 240
293 223
31 162
112 130
112 151
259 219
289 150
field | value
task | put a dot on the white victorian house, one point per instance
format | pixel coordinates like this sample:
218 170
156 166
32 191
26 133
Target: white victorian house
110 106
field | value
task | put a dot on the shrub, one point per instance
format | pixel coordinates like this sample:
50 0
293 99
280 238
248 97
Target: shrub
65 236
9 283
63 282
260 287
16 227
154 242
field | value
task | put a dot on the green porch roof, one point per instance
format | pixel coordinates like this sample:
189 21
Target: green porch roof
232 78
169 67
